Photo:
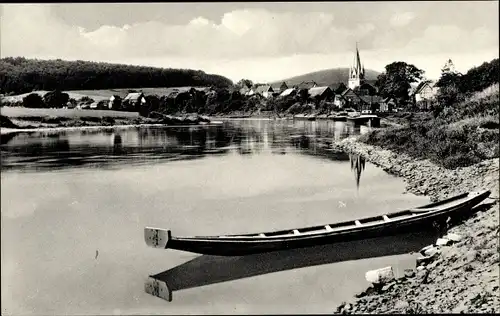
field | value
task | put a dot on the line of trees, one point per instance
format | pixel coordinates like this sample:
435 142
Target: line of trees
20 75
453 86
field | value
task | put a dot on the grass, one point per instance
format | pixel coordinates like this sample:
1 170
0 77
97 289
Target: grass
29 113
461 136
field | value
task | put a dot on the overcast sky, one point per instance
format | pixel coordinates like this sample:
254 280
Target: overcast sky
260 41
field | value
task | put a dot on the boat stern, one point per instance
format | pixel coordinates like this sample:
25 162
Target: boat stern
157 237
158 288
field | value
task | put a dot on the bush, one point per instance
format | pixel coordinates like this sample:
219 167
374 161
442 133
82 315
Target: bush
108 120
86 100
33 100
94 119
448 145
54 119
56 99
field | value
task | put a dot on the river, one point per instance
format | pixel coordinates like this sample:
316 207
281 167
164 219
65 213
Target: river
74 205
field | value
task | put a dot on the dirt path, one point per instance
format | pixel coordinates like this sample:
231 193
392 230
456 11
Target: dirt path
461 277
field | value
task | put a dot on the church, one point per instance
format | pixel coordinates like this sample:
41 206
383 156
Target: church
359 94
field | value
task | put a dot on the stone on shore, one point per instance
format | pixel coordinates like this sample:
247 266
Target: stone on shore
380 276
423 250
453 237
443 242
427 259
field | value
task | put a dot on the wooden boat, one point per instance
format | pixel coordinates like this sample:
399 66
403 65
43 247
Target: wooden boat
415 219
341 116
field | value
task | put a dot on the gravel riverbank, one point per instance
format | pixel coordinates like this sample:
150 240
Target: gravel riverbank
459 277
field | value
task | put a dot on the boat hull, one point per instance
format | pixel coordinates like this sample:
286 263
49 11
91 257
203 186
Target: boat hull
248 244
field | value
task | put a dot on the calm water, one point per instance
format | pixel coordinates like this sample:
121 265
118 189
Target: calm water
74 205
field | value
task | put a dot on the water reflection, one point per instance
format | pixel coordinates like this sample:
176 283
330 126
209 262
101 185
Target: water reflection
206 270
110 148
357 166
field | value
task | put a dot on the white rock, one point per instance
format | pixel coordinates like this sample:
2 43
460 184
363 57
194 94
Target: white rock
380 276
431 251
453 237
442 242
423 250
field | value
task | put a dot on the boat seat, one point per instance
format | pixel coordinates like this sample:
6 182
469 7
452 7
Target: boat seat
358 223
262 235
328 228
296 232
386 219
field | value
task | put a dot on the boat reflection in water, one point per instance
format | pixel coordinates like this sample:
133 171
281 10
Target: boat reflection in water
207 269
358 166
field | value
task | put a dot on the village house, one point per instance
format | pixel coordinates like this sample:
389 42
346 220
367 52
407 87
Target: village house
283 86
350 98
244 90
266 91
306 85
290 92
321 93
370 102
425 94
115 102
134 100
365 89
387 104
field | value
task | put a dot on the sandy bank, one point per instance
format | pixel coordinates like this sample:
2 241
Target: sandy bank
464 276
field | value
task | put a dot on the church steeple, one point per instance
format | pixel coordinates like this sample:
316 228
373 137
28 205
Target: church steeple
357 71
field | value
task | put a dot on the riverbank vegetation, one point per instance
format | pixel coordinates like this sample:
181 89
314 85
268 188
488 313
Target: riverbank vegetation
463 127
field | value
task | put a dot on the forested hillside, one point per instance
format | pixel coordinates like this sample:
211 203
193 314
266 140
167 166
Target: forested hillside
20 75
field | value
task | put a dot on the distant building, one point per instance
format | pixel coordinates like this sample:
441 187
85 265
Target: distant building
283 86
387 104
449 67
321 93
278 88
266 91
349 98
134 100
365 89
357 72
288 92
244 90
425 94
306 85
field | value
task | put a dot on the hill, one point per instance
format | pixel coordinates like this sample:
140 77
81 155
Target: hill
327 77
20 75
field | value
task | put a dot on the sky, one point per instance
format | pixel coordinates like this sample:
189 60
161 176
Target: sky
261 41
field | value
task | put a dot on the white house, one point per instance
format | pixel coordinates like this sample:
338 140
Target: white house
266 91
288 92
425 94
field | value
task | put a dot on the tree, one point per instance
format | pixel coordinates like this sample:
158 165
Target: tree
33 100
244 83
395 81
450 90
116 104
56 99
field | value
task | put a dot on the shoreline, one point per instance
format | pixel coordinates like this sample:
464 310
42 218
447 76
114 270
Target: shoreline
6 130
468 268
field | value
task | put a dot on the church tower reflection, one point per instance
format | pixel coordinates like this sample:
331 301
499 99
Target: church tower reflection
357 165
